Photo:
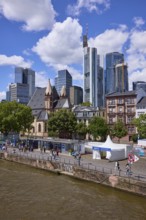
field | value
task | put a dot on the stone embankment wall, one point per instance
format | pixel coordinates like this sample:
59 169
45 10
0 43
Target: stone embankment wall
126 184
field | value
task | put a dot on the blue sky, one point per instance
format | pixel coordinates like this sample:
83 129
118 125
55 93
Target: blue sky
46 35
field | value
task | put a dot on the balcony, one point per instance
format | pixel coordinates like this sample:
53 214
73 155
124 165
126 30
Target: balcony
111 103
131 113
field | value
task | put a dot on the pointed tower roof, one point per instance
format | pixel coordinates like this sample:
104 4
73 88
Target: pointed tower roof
49 88
63 92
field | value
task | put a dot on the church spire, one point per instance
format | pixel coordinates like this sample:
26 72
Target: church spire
48 89
63 92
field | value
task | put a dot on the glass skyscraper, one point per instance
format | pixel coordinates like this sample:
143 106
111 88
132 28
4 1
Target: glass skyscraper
24 86
93 76
112 59
121 77
26 76
64 78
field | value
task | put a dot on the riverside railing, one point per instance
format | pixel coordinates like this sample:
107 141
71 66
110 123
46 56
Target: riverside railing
68 162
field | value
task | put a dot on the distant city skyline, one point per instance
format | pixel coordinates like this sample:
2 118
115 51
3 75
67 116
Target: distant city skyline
47 37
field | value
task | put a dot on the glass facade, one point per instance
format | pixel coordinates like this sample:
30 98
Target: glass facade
26 76
121 78
19 92
76 95
112 59
93 79
64 78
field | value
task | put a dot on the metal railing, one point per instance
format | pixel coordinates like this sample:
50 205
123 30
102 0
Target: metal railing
83 164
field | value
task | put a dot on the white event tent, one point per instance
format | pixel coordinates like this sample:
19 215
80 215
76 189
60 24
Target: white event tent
114 151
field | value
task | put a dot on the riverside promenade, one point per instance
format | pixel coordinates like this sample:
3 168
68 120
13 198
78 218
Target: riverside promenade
98 171
138 168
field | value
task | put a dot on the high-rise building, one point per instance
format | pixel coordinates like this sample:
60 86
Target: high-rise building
139 84
19 92
121 77
112 59
93 79
64 78
76 95
23 87
25 76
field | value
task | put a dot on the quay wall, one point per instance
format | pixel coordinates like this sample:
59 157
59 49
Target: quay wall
117 182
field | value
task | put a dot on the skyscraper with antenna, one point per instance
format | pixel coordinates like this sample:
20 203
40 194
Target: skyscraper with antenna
92 75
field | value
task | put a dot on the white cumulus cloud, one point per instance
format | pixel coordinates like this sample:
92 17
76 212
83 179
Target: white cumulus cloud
14 60
139 21
36 15
90 5
110 41
62 46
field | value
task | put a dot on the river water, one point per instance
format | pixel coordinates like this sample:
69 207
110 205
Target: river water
31 194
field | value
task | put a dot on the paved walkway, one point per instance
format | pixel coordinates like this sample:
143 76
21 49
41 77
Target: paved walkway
138 168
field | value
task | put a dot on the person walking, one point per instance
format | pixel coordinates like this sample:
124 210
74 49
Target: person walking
117 165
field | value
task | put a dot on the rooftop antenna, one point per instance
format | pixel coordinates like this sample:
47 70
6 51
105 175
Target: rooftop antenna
85 37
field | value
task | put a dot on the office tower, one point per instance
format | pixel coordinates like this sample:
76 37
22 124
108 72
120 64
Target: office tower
76 95
8 96
19 92
92 75
112 59
26 76
139 84
63 79
121 77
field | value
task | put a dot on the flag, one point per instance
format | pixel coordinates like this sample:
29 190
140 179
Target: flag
135 158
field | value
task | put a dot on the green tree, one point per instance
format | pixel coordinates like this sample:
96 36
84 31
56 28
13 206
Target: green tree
134 138
15 117
62 123
119 130
88 104
140 123
81 130
98 128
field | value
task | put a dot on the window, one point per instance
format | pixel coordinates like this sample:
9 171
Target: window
110 110
110 120
112 102
39 127
131 130
129 110
120 101
120 109
129 119
130 101
121 119
45 130
85 114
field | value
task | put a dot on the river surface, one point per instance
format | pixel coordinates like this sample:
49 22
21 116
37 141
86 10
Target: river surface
31 194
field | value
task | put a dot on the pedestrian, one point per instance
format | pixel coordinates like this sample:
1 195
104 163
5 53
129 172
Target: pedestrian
79 159
117 166
127 169
57 152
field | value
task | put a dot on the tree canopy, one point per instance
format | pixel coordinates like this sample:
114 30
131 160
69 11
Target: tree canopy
81 130
119 130
98 128
15 117
62 123
87 104
140 123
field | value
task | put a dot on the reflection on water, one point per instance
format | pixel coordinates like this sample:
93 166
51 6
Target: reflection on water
30 194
